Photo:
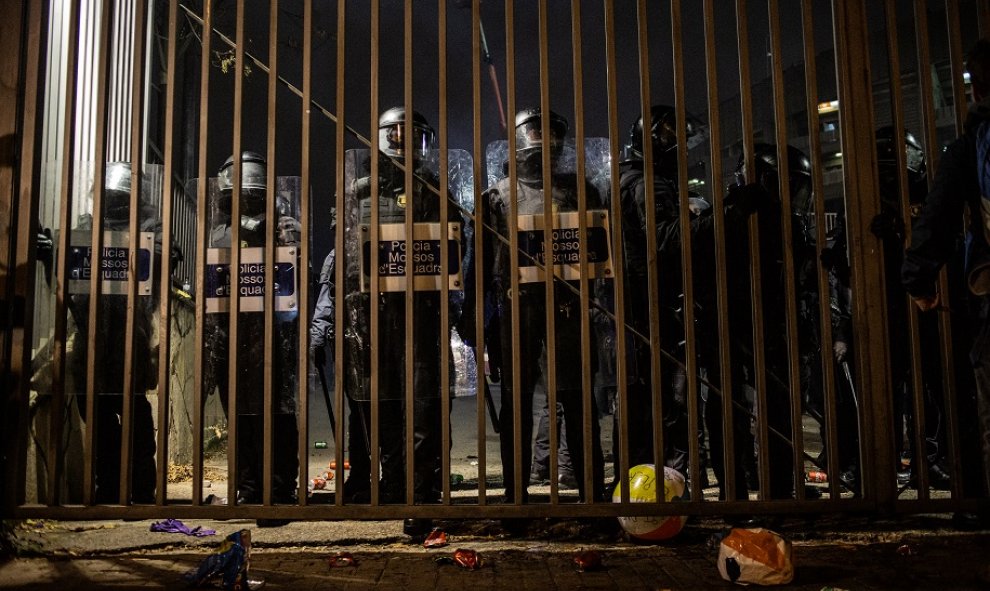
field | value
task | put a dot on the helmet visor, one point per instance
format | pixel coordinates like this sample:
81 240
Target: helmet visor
392 141
530 135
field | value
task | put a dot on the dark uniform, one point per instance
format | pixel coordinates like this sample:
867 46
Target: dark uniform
668 262
250 351
393 203
532 340
109 375
773 292
934 242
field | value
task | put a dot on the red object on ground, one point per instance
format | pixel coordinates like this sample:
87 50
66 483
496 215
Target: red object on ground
588 560
467 558
436 539
342 559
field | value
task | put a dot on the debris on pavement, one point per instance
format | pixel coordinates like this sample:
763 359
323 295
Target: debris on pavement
462 557
906 550
436 539
757 556
588 560
229 563
342 559
174 526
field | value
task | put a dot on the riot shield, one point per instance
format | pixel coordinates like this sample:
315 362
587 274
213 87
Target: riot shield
252 286
388 258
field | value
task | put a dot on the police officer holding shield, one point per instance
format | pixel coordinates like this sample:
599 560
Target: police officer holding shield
532 340
249 352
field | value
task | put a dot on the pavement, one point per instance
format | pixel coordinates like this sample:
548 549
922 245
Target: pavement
838 552
852 553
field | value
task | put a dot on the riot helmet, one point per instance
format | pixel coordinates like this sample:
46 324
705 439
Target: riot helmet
766 173
663 137
392 129
254 180
529 142
117 198
914 161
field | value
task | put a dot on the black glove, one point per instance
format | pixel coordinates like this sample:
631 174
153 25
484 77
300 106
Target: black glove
829 258
748 198
887 226
174 258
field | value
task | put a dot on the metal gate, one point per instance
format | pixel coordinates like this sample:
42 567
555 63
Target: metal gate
755 338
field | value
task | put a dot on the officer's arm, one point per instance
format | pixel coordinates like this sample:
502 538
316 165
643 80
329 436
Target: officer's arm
933 234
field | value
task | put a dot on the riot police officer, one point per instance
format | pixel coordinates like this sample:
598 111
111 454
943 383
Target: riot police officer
662 134
109 372
767 179
532 340
889 227
249 354
393 202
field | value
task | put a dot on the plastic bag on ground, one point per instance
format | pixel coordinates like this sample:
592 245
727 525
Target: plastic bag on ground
755 556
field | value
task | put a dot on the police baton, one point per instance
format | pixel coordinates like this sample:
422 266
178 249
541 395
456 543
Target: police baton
326 397
491 406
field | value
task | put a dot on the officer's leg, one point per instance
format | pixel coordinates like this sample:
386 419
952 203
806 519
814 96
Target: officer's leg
980 357
250 454
108 440
565 465
780 452
675 420
541 447
143 476
529 353
742 440
391 440
285 471
358 483
573 409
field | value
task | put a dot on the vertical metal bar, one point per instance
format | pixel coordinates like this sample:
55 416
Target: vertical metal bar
444 254
57 423
824 318
620 320
269 295
375 330
649 190
758 358
407 132
783 171
960 102
233 357
200 266
137 167
479 244
550 306
25 252
920 463
957 63
513 227
587 393
687 272
93 351
164 322
341 260
897 117
725 362
304 258
852 69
